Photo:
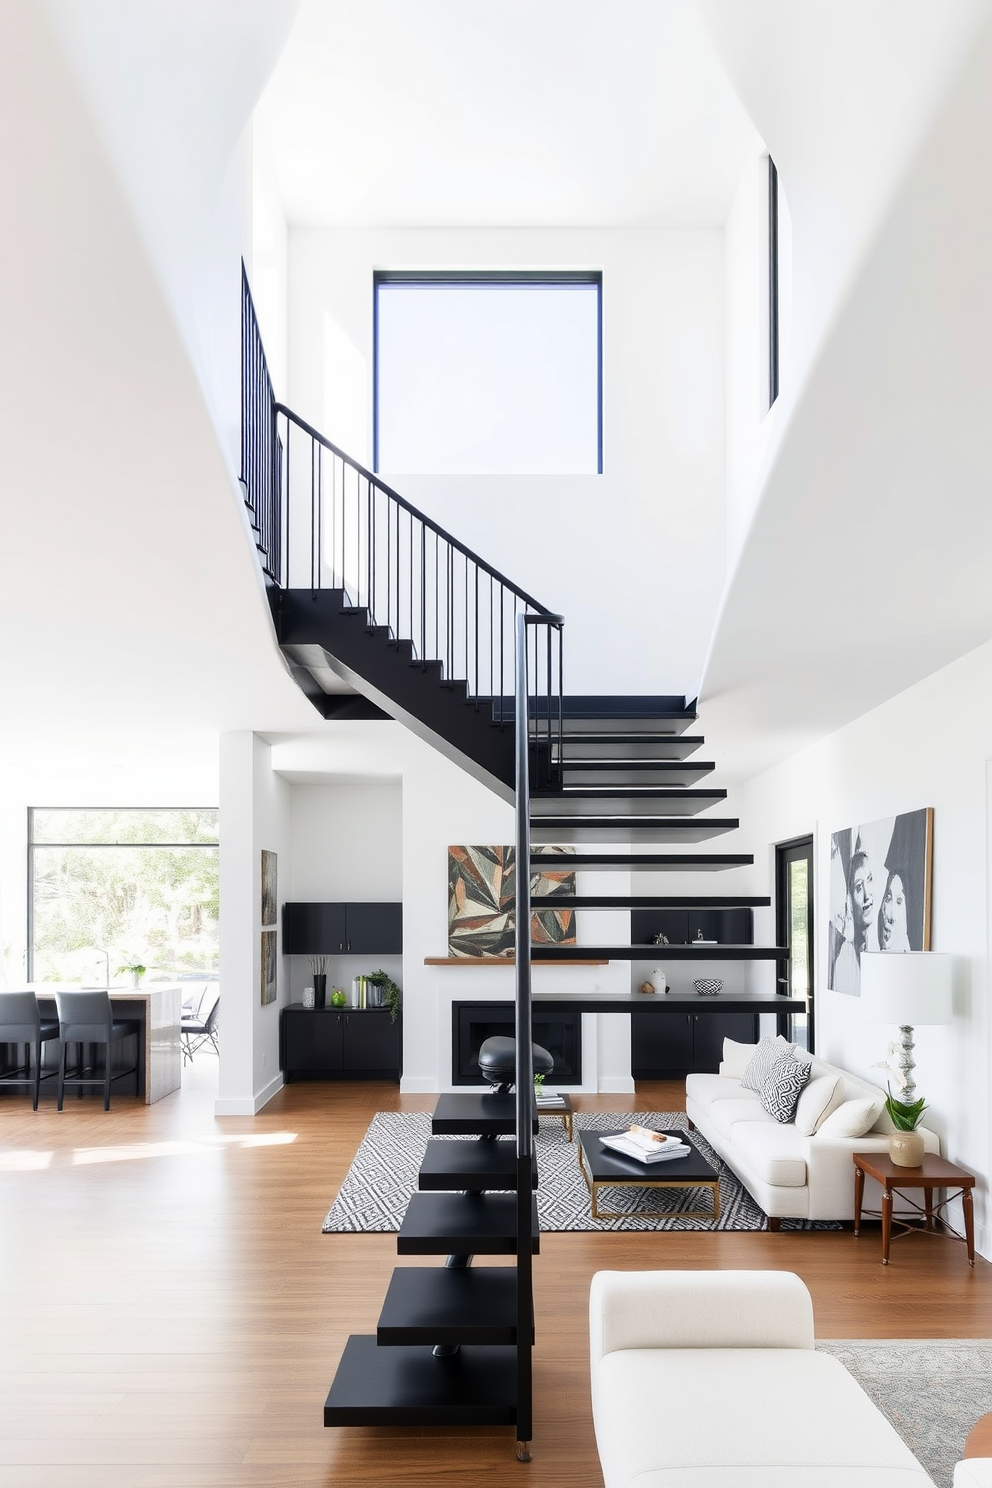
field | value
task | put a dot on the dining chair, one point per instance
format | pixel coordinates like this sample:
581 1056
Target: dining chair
202 1029
88 1018
21 1023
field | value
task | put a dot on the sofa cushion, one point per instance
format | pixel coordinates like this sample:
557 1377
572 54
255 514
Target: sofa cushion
772 1153
736 1058
816 1102
853 1119
761 1061
783 1086
727 1114
705 1089
754 1418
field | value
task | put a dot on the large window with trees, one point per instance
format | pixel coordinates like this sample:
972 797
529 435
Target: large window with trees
112 889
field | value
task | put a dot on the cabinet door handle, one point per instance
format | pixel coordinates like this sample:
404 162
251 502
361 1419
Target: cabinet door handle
349 945
340 945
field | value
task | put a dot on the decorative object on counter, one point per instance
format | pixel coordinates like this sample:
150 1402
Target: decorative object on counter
338 998
308 1001
318 966
646 987
880 888
482 894
135 972
708 986
660 939
270 897
658 980
388 993
906 1147
699 940
267 967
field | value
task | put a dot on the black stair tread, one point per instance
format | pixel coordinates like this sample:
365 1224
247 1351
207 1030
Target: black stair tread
622 800
661 901
408 1387
452 1163
432 1304
475 1114
652 862
716 952
660 773
673 746
463 1224
566 829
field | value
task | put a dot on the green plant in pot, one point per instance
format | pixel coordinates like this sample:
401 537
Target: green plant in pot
390 992
906 1147
134 971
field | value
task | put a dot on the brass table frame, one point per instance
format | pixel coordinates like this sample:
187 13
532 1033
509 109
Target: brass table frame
595 1184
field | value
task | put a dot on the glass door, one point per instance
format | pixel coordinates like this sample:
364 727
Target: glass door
794 928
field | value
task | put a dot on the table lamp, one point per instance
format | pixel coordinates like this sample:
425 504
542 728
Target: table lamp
908 988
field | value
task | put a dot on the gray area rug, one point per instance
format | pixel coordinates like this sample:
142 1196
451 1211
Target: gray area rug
378 1185
933 1390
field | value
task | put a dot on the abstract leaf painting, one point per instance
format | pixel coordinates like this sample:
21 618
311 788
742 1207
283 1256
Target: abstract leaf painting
481 896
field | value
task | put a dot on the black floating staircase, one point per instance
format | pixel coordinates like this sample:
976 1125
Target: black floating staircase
379 612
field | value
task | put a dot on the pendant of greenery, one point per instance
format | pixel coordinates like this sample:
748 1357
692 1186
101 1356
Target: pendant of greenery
390 991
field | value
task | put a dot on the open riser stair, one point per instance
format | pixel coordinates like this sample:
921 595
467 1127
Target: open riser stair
380 613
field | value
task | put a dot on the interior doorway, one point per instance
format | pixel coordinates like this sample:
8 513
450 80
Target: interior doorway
794 928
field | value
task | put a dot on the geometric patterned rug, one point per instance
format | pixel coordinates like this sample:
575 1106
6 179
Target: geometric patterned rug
378 1185
932 1390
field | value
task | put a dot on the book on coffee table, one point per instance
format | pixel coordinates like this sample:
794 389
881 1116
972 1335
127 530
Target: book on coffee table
646 1146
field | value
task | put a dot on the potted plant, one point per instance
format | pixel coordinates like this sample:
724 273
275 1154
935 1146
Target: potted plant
135 972
389 992
906 1147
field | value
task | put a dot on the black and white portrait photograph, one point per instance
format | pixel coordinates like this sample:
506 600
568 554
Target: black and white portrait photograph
880 880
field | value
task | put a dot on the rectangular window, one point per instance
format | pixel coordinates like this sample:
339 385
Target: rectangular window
117 888
794 928
488 373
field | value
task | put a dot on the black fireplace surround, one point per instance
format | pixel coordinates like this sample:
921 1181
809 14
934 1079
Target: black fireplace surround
560 1032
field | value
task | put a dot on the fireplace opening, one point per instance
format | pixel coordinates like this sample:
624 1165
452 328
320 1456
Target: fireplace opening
473 1022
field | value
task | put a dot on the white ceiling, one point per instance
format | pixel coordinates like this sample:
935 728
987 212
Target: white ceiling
490 113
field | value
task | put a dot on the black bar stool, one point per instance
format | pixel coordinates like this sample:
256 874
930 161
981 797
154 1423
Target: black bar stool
21 1023
88 1018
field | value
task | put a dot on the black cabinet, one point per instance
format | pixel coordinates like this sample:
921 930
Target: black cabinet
728 926
339 1044
314 929
667 1045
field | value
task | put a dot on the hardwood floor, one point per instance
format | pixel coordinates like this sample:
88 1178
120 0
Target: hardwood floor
172 1315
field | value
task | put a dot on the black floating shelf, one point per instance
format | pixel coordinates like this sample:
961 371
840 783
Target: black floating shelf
450 1165
469 1115
661 901
410 1387
432 1304
651 862
463 1223
715 952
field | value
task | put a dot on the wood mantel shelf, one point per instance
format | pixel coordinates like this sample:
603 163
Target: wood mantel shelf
501 961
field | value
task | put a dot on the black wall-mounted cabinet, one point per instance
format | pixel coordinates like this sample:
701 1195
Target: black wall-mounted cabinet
339 1044
315 929
728 926
666 1046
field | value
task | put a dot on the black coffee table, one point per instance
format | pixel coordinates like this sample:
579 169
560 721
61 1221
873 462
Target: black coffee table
604 1168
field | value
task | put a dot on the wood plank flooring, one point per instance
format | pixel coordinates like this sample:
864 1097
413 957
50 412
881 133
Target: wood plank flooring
172 1316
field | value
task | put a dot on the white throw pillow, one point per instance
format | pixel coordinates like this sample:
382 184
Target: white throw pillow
736 1058
816 1103
853 1119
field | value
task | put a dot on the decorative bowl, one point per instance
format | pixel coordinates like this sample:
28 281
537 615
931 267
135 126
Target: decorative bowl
708 986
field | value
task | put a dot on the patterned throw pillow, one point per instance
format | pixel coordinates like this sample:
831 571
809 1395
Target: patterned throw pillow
783 1087
765 1055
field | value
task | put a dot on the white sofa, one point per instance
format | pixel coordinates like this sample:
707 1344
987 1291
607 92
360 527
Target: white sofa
709 1379
791 1173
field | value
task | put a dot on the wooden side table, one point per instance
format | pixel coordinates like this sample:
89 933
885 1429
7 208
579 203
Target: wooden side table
933 1173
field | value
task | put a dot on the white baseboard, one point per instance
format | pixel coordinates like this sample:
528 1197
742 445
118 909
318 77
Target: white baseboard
249 1106
616 1085
418 1085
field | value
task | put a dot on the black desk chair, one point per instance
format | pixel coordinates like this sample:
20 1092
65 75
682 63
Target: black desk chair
88 1018
21 1023
202 1029
498 1062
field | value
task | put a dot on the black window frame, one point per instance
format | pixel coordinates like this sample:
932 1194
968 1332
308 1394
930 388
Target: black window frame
796 849
773 284
492 277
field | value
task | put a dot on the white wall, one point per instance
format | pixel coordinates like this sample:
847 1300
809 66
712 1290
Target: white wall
634 558
930 746
254 814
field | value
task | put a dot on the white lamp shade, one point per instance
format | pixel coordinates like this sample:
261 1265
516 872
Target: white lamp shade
911 987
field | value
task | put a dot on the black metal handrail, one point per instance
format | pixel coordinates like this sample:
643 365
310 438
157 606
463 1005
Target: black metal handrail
529 688
261 453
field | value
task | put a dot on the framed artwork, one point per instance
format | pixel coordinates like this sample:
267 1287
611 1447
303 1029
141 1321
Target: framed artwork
270 892
880 890
481 896
268 966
